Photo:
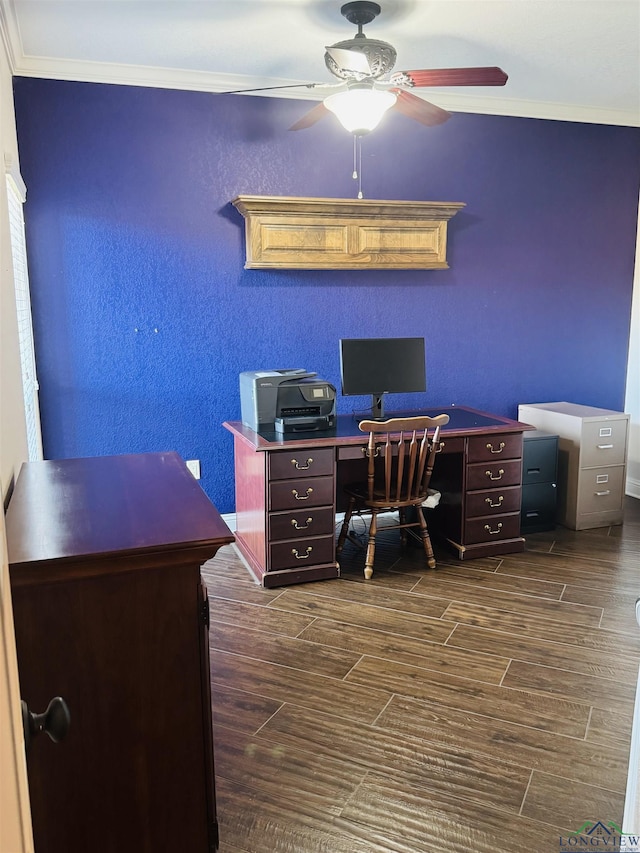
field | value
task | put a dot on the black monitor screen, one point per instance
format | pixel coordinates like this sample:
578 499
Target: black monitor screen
382 365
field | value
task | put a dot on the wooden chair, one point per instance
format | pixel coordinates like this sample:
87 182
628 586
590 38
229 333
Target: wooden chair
400 461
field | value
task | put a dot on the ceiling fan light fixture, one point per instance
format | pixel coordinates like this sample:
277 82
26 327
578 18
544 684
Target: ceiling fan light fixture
360 110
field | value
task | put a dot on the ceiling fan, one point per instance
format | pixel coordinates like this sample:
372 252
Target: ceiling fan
367 86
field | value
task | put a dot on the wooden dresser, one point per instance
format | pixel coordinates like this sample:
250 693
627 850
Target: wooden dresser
111 614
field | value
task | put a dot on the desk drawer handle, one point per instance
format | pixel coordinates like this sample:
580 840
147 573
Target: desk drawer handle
294 522
603 494
605 447
304 467
491 477
300 497
491 449
487 527
298 556
492 504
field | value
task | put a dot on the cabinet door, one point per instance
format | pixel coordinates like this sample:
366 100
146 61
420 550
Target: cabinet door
125 650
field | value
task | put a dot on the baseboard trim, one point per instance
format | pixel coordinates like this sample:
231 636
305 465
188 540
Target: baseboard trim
229 519
633 487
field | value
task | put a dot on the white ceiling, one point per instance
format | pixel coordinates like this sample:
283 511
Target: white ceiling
566 59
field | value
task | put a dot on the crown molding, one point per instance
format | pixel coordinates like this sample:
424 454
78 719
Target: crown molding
202 81
10 34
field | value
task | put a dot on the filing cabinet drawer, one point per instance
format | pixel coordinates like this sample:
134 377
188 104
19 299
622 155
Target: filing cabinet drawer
540 461
301 463
490 529
493 501
603 443
487 447
299 553
507 472
601 489
539 502
301 523
305 492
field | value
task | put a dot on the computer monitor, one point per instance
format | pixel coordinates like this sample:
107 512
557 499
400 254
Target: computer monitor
380 366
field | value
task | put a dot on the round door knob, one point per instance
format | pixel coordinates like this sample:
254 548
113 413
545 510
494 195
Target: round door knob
55 721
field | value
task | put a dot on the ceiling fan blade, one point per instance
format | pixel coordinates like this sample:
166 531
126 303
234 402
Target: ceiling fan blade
350 60
418 109
489 76
318 112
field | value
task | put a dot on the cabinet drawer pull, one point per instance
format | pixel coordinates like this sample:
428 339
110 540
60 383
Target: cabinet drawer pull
300 497
605 446
487 527
603 494
304 467
492 504
491 448
294 522
299 556
499 477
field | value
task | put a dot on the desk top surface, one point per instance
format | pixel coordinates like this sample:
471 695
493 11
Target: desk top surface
462 421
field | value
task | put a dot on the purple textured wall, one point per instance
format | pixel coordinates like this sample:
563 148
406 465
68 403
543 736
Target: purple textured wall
144 315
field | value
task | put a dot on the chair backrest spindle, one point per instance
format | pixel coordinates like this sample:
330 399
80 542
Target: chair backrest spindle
401 458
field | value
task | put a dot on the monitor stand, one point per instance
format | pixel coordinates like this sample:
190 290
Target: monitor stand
377 407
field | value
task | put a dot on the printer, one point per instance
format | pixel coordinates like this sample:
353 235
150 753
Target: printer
286 401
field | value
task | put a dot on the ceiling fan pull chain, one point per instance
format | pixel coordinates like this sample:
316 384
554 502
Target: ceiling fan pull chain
359 138
355 161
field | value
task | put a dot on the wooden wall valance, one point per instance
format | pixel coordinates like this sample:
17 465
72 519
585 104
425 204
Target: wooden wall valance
332 233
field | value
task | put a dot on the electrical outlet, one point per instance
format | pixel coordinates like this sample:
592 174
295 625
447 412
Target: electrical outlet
194 466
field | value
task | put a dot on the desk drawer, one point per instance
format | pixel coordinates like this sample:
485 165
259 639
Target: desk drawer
301 463
492 447
507 472
305 492
491 529
493 502
302 553
356 451
301 523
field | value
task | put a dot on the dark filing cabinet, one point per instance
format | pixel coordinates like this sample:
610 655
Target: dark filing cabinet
539 481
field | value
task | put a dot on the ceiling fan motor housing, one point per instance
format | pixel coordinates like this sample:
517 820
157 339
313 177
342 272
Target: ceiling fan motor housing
380 55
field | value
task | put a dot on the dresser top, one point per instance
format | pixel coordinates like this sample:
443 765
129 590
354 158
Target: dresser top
107 506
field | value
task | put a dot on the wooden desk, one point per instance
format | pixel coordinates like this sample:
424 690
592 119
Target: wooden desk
288 489
111 614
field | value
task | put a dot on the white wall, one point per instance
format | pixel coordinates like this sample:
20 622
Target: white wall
13 437
632 403
15 819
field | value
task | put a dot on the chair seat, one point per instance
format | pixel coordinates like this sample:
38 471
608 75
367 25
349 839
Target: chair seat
379 499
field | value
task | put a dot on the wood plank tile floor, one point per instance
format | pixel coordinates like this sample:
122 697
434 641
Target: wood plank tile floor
483 706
